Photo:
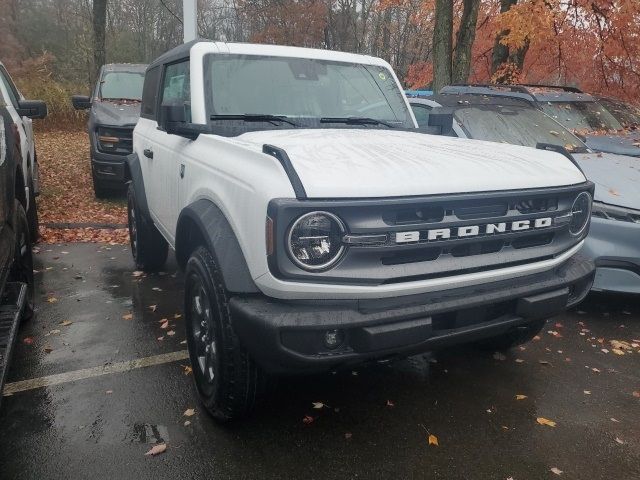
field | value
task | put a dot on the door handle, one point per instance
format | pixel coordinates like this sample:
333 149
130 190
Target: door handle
148 153
182 170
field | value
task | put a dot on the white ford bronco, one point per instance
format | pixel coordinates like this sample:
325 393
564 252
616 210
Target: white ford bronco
319 228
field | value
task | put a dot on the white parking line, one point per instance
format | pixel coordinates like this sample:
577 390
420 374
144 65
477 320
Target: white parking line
119 367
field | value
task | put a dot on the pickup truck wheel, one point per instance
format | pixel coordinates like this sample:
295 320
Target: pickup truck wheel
22 267
514 337
148 246
100 191
32 215
228 381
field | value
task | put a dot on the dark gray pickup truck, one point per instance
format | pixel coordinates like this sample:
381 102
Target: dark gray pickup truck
16 266
114 109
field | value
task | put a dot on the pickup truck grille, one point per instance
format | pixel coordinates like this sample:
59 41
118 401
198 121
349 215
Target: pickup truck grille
438 235
115 140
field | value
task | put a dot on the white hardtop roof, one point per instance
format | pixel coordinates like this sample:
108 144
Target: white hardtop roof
295 52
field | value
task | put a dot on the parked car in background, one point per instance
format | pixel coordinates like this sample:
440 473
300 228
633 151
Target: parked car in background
577 111
16 266
628 115
22 112
614 239
114 111
318 229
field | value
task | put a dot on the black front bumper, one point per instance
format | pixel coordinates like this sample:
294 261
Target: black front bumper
108 169
287 337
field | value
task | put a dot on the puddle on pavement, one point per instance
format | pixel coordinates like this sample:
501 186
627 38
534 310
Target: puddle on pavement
147 433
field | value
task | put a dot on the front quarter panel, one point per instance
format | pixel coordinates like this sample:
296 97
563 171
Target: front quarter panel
240 181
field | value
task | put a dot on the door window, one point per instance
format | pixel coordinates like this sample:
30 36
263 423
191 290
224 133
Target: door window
176 90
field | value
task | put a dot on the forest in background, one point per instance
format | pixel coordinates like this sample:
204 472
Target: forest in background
50 45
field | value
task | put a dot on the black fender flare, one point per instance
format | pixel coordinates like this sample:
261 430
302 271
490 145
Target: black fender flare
214 231
136 180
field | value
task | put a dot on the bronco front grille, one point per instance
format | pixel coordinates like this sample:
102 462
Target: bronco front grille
436 236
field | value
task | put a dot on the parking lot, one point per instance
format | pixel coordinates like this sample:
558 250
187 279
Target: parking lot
96 381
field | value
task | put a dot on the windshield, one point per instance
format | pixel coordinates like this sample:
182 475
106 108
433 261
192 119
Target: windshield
581 117
303 88
627 115
121 86
515 125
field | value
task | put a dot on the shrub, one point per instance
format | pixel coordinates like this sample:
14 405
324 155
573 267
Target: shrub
36 82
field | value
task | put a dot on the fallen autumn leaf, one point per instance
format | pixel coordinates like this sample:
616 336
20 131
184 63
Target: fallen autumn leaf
157 449
545 421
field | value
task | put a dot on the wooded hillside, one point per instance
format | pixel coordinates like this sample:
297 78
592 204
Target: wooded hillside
51 47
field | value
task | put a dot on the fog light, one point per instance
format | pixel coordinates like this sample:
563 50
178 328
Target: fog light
333 338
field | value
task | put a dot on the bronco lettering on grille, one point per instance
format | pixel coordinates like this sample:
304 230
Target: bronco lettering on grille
472 230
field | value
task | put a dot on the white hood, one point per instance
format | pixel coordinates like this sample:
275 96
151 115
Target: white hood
359 163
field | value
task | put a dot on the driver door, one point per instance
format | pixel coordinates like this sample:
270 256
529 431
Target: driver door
170 150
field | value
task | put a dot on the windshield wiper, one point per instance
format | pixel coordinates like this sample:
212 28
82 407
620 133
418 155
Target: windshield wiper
120 99
355 121
255 117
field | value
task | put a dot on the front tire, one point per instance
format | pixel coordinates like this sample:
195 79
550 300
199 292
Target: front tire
100 191
22 266
228 381
32 215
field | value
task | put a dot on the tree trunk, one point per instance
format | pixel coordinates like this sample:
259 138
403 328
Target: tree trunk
464 41
99 28
501 52
517 57
442 44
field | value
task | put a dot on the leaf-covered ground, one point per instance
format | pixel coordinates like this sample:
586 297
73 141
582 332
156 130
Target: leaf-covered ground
66 193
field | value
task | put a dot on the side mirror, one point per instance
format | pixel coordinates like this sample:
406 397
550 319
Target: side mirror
81 102
32 108
173 120
443 121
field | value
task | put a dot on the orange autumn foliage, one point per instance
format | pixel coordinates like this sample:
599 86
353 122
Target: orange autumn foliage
592 44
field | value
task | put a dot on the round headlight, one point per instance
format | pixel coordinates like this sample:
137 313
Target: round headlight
315 241
580 213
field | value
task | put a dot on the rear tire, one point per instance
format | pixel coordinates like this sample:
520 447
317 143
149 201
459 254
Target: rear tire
229 383
513 338
22 267
148 246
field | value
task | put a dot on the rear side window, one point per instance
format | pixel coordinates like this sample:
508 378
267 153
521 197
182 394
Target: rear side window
150 93
421 113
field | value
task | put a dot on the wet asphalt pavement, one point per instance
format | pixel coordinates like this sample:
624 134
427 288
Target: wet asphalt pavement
375 422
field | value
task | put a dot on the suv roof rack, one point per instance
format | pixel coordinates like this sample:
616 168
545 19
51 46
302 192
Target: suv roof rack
564 88
496 90
526 91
